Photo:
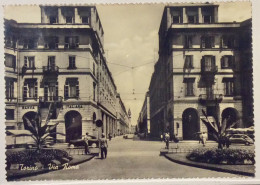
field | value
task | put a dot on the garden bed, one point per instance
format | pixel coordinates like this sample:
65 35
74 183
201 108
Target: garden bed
223 156
32 158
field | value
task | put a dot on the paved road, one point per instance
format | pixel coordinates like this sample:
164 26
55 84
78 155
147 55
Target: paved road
130 159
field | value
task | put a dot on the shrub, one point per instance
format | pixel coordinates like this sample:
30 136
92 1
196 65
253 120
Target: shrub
30 157
222 156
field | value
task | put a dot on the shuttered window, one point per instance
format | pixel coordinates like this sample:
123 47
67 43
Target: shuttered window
71 88
30 89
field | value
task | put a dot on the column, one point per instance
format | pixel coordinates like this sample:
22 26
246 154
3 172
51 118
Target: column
60 17
77 17
184 15
61 129
200 16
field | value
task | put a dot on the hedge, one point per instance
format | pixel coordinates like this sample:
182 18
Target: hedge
30 157
222 156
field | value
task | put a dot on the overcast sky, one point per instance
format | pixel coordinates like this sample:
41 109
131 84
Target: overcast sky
131 39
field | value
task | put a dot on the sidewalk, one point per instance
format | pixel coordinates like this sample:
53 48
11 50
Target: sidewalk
246 170
16 174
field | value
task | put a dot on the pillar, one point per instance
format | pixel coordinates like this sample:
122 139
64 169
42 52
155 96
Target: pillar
60 16
200 16
61 129
184 15
77 17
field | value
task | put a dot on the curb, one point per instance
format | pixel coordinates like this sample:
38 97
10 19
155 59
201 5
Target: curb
204 166
45 170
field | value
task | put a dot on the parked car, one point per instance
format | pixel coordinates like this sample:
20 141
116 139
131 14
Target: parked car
241 138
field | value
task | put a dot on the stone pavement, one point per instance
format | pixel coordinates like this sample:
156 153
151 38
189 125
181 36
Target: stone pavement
131 158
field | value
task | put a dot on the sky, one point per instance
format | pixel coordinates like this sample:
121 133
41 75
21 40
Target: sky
131 42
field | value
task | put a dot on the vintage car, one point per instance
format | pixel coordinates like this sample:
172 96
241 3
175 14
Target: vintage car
240 138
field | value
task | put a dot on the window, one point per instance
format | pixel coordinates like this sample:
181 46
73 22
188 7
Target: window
85 19
10 42
71 42
227 42
192 19
71 89
207 42
29 43
10 61
227 62
208 63
30 89
69 19
9 114
228 86
189 86
53 19
72 62
9 88
94 91
188 41
207 19
51 43
188 62
51 63
29 62
176 16
94 69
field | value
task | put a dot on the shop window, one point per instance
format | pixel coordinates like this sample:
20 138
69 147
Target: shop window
53 19
29 43
227 41
51 42
207 19
69 20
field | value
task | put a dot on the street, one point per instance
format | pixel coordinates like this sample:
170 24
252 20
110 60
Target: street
130 158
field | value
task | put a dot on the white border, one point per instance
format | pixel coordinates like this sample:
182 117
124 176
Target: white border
202 181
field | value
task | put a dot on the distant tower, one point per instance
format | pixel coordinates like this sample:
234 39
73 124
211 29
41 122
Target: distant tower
129 113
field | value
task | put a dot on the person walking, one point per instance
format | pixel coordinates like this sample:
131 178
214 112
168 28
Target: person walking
167 139
85 139
203 137
103 146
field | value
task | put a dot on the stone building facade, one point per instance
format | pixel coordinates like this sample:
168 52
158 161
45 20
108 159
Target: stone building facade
60 64
143 122
200 66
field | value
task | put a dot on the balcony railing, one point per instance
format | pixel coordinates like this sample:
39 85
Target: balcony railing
210 98
209 70
50 69
45 99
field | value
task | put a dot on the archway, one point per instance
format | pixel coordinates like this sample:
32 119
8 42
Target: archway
30 115
190 122
73 123
231 115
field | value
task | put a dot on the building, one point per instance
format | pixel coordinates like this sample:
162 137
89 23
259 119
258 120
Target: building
123 118
201 66
144 116
60 64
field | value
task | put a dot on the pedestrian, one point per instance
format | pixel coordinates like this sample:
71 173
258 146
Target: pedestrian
85 140
203 137
110 136
103 146
167 139
161 137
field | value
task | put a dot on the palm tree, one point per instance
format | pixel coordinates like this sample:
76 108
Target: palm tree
219 128
40 130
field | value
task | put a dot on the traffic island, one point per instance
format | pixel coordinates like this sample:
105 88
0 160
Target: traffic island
180 158
20 171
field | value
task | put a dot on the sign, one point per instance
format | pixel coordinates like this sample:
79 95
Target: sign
75 106
27 107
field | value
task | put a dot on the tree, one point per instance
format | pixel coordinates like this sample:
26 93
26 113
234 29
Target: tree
39 130
219 128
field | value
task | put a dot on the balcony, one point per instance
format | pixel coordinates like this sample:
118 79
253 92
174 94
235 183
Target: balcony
46 100
50 69
209 70
210 99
